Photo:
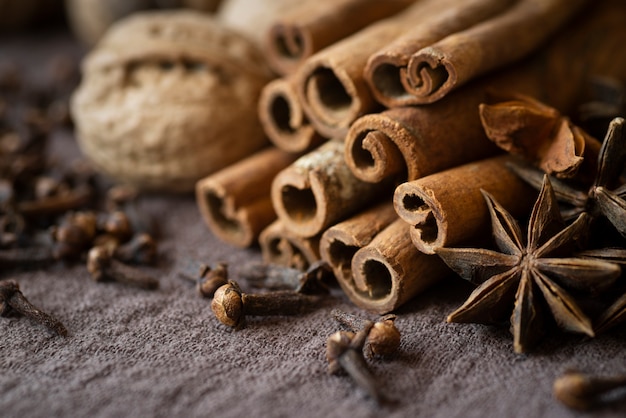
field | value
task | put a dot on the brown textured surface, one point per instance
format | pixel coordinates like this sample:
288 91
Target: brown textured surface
140 353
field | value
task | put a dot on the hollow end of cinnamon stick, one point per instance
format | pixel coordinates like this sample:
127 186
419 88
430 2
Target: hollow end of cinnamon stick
319 189
390 271
283 119
235 202
281 247
429 76
220 216
427 220
375 146
383 74
287 46
329 97
445 208
341 241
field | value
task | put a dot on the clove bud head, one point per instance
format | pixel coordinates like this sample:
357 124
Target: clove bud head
383 339
212 279
98 259
336 345
580 391
227 305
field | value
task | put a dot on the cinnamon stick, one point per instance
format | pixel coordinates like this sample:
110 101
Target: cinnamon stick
318 190
592 45
282 247
389 271
439 68
283 119
330 83
407 143
386 68
254 18
235 202
299 33
341 241
447 208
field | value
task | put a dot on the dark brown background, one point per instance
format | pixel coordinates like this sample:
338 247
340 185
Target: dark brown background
162 353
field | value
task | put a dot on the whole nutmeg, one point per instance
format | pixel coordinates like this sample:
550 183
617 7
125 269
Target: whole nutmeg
167 98
90 19
227 305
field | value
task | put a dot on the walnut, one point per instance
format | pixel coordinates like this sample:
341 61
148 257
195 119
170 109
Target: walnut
168 98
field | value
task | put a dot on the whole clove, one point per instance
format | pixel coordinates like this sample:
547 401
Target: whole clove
115 223
102 266
74 234
583 391
207 278
26 257
344 351
383 338
58 203
140 249
12 300
230 305
314 280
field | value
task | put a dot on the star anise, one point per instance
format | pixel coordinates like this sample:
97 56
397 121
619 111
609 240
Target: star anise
615 314
598 200
606 100
530 275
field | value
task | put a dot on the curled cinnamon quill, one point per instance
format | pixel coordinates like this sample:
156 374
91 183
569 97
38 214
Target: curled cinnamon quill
283 119
443 66
386 71
311 26
235 201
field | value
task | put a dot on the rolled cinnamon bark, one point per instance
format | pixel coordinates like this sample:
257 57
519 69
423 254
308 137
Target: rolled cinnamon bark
390 270
447 208
592 45
283 119
386 68
299 33
439 68
318 190
254 18
407 143
330 83
282 247
341 241
235 202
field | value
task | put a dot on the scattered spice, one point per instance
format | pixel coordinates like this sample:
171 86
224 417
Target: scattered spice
12 300
524 126
583 391
230 305
606 101
140 249
383 338
612 316
600 199
314 280
344 351
520 268
208 278
101 265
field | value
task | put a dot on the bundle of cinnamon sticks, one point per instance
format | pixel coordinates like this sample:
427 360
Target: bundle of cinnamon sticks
378 151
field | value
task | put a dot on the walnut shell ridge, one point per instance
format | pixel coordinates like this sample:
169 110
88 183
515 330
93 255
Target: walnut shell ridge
168 98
